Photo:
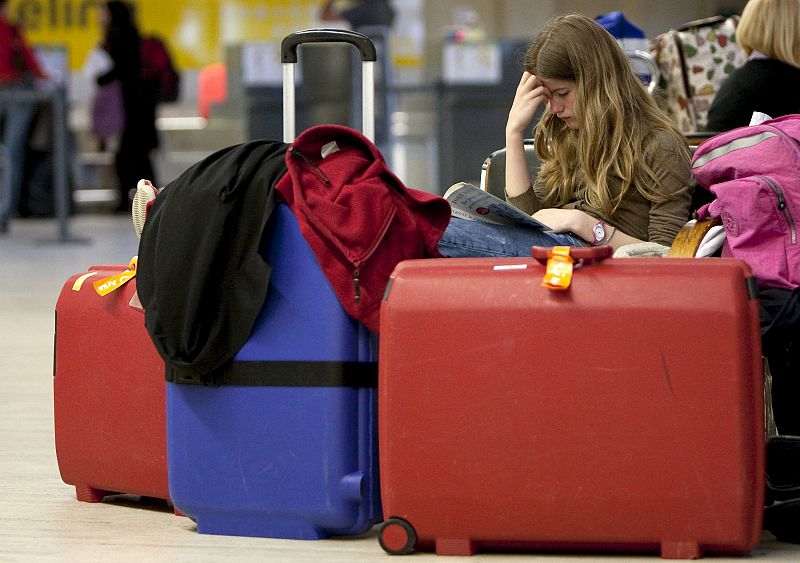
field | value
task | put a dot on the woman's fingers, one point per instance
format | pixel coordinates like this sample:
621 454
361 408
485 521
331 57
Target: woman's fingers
528 82
531 94
531 87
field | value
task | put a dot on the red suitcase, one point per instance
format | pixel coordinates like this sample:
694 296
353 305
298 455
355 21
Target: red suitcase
623 414
109 393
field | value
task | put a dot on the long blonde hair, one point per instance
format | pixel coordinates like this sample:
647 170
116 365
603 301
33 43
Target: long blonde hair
616 114
771 27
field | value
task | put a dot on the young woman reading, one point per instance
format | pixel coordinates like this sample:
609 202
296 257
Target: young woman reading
614 169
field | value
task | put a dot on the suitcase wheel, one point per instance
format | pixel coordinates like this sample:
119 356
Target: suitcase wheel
397 537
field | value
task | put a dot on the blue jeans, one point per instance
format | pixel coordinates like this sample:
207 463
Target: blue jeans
464 238
16 116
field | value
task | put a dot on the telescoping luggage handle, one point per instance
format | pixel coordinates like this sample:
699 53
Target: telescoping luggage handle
368 53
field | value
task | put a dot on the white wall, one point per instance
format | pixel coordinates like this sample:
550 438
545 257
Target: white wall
524 18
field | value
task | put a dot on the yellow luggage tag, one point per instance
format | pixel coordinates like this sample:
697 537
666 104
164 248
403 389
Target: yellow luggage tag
112 283
558 275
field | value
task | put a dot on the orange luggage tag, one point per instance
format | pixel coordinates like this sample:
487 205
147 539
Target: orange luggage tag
112 283
558 275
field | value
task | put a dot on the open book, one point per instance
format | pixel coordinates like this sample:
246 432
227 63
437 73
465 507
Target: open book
472 203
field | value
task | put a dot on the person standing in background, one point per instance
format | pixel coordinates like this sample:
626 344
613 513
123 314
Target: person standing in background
121 39
358 13
374 19
18 71
769 34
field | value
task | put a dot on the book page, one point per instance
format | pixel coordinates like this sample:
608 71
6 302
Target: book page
472 203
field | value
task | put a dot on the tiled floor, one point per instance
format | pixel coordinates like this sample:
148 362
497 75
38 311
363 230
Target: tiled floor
40 520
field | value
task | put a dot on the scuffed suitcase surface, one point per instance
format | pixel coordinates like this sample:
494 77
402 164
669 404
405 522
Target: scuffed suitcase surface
109 394
623 414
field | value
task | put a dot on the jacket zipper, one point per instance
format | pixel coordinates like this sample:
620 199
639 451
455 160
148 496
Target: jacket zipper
314 168
782 206
358 265
357 284
357 271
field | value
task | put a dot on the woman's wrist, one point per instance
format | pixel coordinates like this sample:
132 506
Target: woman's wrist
584 224
514 136
516 174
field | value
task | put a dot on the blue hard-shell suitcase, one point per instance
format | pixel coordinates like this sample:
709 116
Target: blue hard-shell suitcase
286 446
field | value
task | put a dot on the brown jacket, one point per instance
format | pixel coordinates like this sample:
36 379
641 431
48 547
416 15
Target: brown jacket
636 216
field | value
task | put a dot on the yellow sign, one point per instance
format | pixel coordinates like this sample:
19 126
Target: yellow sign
196 32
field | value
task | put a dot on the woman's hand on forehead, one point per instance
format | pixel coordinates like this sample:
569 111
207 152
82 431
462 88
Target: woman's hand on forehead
529 82
531 94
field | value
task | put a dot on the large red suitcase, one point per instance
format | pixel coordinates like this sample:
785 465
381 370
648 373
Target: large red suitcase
109 392
624 413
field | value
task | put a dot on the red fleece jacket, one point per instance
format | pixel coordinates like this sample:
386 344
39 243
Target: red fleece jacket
358 217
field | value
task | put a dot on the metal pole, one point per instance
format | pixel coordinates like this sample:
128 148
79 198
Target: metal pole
368 99
288 102
58 98
60 162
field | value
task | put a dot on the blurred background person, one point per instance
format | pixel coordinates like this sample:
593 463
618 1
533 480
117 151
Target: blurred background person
18 71
121 39
769 82
358 13
374 19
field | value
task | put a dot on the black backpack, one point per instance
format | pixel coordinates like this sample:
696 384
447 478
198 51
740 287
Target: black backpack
780 327
157 66
782 512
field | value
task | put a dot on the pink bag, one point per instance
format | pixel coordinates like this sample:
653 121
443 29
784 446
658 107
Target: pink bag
108 111
754 172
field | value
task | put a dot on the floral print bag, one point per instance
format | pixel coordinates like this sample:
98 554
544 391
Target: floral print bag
694 60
